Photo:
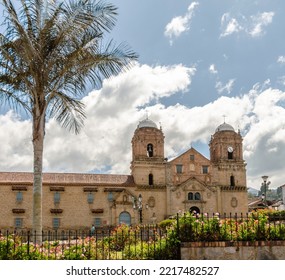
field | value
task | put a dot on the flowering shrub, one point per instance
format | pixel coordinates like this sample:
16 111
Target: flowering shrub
11 248
122 243
255 226
148 242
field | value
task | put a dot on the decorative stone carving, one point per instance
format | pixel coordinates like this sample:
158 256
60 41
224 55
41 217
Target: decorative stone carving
151 202
234 202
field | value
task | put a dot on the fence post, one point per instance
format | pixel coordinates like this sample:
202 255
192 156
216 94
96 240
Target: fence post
236 226
49 239
178 253
231 225
178 229
109 245
28 245
7 244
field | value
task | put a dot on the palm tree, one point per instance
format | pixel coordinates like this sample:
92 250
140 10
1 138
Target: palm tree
50 51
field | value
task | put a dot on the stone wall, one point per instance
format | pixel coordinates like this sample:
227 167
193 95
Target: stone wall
73 210
240 250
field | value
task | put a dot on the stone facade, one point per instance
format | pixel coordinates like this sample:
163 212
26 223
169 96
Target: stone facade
238 250
156 189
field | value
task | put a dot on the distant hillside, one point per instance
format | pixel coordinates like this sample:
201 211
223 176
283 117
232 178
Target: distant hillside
271 194
253 191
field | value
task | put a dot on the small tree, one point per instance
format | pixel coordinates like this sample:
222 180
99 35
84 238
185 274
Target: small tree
49 51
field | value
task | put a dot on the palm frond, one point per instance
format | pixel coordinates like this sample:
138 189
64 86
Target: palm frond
68 111
91 14
48 54
17 30
15 101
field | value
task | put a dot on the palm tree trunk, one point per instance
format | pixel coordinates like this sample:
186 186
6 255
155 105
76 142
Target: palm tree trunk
38 143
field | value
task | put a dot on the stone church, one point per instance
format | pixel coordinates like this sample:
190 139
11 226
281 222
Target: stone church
156 189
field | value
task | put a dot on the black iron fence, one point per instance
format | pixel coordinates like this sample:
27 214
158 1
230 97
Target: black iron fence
233 227
141 242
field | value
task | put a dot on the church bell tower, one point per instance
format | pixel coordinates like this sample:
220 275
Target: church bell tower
147 166
226 155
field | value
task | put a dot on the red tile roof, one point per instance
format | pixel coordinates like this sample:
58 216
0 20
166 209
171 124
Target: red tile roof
67 179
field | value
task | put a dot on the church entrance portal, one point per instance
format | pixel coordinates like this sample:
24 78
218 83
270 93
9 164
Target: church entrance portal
194 210
125 218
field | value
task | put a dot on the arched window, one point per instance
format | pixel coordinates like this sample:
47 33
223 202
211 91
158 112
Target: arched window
150 179
230 155
194 210
190 196
232 181
125 218
197 196
149 149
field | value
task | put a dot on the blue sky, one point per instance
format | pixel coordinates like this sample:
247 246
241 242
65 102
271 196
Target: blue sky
198 61
240 39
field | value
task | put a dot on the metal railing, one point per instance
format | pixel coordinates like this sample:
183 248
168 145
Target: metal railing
233 227
141 242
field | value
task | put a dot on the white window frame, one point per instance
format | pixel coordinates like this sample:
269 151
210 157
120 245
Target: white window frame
205 168
18 222
90 197
55 223
179 168
19 196
98 222
56 197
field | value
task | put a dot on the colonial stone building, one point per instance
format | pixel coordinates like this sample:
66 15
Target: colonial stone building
156 189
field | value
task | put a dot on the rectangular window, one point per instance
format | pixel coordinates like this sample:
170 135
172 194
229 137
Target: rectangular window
90 198
98 222
56 197
192 157
110 196
179 168
205 169
18 222
19 197
55 223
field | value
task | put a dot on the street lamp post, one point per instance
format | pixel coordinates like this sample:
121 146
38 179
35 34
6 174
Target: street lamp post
138 205
140 208
265 185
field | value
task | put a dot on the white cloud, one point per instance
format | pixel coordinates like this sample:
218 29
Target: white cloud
253 26
230 25
264 144
281 80
16 143
212 69
114 112
180 24
281 59
112 115
227 88
258 22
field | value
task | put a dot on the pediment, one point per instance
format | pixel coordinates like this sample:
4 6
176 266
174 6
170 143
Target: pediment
198 156
193 184
124 197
